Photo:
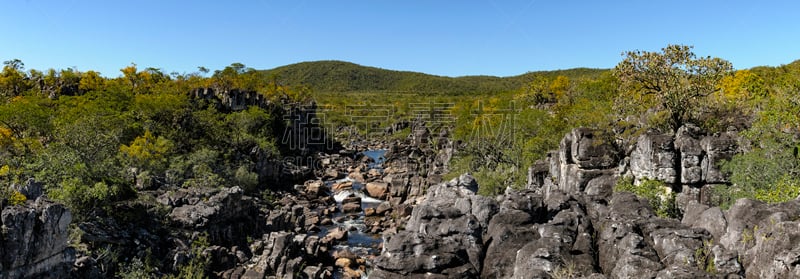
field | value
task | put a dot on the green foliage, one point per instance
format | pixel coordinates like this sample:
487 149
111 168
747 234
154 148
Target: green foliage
89 139
506 133
80 196
704 257
13 80
761 167
16 198
673 79
344 77
785 189
11 196
136 269
147 151
768 168
246 179
657 193
197 267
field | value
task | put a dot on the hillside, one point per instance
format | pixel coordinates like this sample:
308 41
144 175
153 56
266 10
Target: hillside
339 76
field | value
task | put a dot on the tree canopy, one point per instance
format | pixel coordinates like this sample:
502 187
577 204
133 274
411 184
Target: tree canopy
673 80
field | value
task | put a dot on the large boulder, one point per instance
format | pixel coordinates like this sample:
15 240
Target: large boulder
444 235
378 190
765 236
591 149
584 155
34 241
654 158
227 216
285 254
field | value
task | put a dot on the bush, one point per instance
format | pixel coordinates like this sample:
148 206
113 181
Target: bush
785 189
136 269
13 197
17 198
80 197
657 193
768 173
246 179
197 266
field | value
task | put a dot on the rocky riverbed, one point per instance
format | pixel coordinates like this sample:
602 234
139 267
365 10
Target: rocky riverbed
391 215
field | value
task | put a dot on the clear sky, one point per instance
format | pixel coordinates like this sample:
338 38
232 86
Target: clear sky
452 38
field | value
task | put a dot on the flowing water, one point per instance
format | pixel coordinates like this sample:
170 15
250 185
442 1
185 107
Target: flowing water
359 240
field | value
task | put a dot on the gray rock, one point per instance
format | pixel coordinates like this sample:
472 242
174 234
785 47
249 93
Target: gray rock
444 235
687 195
591 149
34 242
654 158
227 216
508 231
718 148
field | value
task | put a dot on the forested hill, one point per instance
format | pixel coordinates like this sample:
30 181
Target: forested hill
339 76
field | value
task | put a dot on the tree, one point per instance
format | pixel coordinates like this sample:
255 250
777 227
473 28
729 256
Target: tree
559 87
130 75
91 81
673 79
13 78
147 152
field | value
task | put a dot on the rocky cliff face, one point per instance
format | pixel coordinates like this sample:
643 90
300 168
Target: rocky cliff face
590 162
34 241
570 223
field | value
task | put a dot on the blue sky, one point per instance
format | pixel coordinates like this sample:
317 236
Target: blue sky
490 37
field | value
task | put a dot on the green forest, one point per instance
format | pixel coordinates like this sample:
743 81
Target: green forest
95 141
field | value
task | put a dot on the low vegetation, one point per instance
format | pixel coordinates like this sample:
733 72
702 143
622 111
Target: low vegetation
94 141
658 194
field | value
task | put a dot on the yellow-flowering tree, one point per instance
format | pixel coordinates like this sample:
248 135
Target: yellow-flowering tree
147 151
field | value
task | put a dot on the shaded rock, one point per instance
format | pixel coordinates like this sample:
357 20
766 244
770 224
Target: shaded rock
384 207
285 254
34 241
591 149
228 216
331 174
718 148
687 144
508 231
337 234
31 189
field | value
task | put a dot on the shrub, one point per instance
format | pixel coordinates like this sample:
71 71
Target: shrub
768 173
246 179
785 189
17 198
12 196
197 266
79 196
657 193
136 269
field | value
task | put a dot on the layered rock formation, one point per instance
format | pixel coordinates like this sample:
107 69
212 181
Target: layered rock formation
591 162
34 241
570 223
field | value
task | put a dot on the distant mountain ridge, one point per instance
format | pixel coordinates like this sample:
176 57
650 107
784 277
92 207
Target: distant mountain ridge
340 76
